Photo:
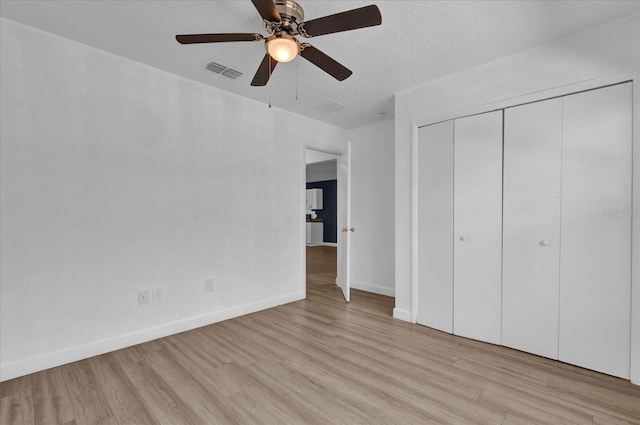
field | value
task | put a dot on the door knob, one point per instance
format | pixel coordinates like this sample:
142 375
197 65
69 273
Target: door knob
353 229
344 229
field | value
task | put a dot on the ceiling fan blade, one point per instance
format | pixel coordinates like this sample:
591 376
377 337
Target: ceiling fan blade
267 9
363 17
264 72
324 62
217 38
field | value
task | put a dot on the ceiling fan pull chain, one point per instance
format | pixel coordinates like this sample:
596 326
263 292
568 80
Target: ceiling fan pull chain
269 87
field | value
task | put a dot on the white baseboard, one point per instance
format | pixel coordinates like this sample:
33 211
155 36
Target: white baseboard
329 244
382 290
44 361
401 314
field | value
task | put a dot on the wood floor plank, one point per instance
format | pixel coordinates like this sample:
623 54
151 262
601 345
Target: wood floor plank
51 398
222 381
529 407
448 404
17 409
245 409
319 361
194 394
167 406
122 395
365 399
512 419
89 402
597 399
15 386
313 402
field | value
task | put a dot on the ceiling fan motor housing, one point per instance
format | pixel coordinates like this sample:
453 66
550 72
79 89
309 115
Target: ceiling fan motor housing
290 11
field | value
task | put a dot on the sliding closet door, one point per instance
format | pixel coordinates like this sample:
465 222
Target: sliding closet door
435 226
477 227
595 275
531 227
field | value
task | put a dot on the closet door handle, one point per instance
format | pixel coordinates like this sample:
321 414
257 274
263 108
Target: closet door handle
464 238
544 242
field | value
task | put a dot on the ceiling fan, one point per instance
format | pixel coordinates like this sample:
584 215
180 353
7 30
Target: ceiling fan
284 19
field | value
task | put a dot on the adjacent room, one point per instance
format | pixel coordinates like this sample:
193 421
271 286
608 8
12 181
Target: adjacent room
319 212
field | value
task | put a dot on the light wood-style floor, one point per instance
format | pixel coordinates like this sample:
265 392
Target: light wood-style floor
318 361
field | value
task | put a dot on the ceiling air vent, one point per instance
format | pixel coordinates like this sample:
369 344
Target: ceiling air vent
329 106
223 70
231 73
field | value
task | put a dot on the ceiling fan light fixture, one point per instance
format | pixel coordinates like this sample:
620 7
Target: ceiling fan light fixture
282 48
284 20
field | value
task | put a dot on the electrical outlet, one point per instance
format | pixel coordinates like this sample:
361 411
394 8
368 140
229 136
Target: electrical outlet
209 285
157 295
143 297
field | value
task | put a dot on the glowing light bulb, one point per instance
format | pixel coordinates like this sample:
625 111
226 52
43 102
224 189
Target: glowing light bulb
282 49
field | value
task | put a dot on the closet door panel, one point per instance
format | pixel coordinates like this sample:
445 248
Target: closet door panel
595 276
477 227
435 226
531 227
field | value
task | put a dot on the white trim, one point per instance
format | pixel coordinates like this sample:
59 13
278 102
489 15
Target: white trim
414 223
44 361
330 244
302 222
401 314
376 289
544 94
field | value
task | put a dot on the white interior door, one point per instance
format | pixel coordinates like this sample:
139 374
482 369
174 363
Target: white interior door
343 280
477 284
531 227
595 272
435 226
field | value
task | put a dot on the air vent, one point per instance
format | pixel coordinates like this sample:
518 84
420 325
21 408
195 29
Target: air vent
231 73
329 106
223 70
215 67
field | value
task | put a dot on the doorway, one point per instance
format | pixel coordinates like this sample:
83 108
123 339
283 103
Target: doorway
324 214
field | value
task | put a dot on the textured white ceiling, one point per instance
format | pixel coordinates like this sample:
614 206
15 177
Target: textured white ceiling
418 42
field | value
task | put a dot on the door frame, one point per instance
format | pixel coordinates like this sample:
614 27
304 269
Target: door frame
340 192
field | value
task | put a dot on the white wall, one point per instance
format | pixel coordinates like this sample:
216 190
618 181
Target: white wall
322 171
313 156
590 59
372 210
116 177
